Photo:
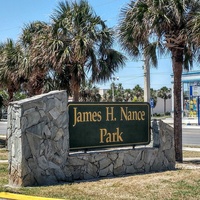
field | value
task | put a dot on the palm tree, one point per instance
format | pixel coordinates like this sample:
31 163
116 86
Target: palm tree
164 93
10 61
89 92
34 70
1 105
153 94
138 93
118 91
136 42
107 97
83 44
194 28
119 96
128 95
76 43
166 23
110 93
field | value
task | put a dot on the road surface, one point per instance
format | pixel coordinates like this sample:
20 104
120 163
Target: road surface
191 136
3 127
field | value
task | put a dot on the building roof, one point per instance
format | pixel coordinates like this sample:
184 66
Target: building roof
191 76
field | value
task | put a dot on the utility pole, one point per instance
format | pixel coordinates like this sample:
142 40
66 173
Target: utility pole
146 80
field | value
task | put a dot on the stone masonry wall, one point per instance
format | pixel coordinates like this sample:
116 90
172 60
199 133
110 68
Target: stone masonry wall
38 144
38 139
125 161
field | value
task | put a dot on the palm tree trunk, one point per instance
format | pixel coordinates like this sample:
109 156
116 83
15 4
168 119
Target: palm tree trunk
177 62
76 93
75 87
11 90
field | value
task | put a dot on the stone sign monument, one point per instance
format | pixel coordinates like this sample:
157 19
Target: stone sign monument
39 144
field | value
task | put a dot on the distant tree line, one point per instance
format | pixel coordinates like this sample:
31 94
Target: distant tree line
90 92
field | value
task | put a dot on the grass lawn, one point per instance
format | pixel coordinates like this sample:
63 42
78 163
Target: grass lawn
177 184
191 154
3 154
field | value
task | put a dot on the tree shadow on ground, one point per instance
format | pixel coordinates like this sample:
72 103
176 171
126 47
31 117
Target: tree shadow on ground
2 143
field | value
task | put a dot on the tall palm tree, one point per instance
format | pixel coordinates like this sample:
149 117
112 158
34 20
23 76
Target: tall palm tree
166 23
136 42
164 93
194 28
76 43
83 43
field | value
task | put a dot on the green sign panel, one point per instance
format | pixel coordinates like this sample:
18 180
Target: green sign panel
100 125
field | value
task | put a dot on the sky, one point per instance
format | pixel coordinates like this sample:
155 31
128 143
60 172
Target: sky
14 14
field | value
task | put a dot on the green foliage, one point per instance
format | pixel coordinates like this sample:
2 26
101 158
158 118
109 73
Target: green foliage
58 55
153 94
124 95
89 92
17 96
120 94
148 29
138 93
164 93
10 62
135 99
167 113
3 176
5 97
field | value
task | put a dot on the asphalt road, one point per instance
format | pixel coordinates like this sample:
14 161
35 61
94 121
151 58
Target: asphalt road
191 134
3 127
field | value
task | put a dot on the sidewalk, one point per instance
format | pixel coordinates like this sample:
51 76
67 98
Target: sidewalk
3 161
191 149
186 121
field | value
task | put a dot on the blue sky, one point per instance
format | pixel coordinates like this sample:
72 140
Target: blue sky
14 14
